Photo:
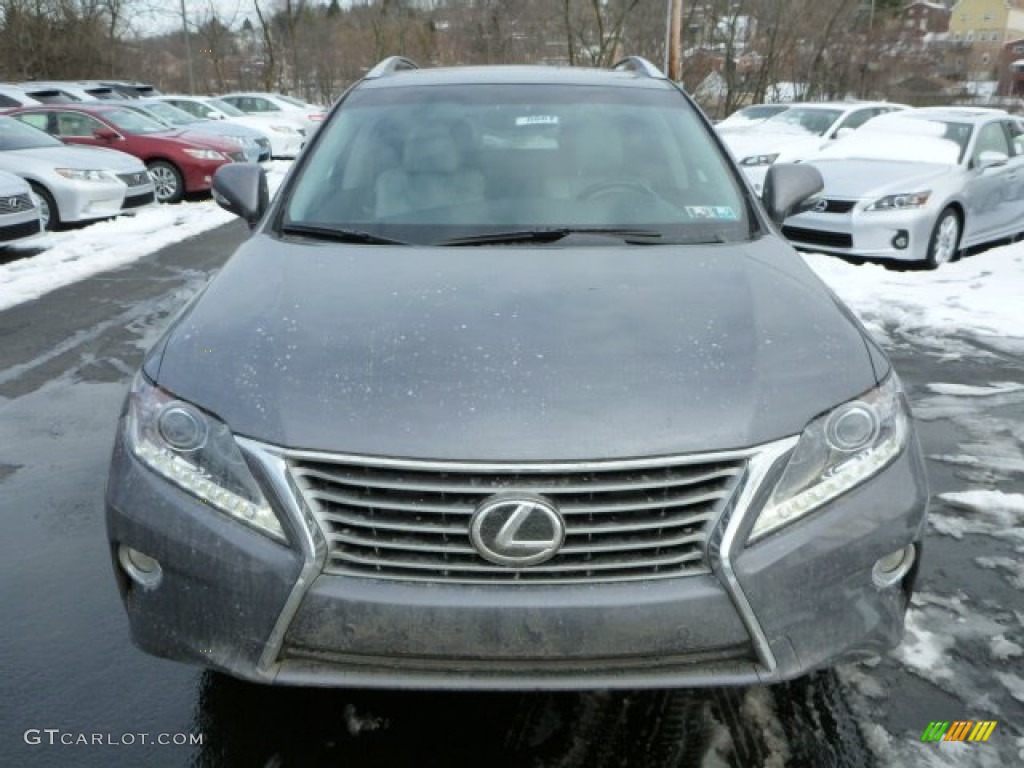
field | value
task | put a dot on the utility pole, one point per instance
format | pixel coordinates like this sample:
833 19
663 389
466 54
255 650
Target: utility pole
673 41
188 51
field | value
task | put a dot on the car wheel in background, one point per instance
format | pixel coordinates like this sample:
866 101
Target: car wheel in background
48 207
945 239
170 187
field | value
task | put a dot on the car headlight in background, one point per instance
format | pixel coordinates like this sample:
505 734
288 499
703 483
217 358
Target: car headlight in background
836 452
79 174
756 160
900 202
196 452
205 154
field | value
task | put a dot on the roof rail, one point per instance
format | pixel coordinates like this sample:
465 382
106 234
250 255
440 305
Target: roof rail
640 65
390 66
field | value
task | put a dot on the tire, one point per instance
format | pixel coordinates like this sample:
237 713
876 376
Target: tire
51 215
944 242
168 181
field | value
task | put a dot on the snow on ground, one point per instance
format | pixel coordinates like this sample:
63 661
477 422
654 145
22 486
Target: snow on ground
980 296
75 254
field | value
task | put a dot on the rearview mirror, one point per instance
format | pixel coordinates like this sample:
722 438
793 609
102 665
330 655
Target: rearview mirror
787 185
241 189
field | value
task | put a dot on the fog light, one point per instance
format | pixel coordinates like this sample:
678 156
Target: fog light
902 240
141 567
893 567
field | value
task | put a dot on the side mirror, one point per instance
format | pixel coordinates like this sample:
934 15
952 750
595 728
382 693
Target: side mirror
106 134
241 189
991 159
787 185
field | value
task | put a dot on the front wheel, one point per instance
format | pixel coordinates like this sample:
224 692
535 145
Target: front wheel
47 207
170 187
945 239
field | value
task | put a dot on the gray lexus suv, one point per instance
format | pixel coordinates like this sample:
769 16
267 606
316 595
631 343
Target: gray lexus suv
515 385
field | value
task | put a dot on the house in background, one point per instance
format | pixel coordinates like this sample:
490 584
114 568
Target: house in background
924 18
984 27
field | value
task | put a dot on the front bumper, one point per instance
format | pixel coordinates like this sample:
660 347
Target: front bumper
16 227
232 599
864 234
199 173
88 200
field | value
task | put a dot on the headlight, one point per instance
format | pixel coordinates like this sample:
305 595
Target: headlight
901 201
755 160
205 154
196 452
77 174
238 141
283 129
836 452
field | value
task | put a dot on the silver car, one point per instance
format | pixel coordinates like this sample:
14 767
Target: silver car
73 183
19 214
920 186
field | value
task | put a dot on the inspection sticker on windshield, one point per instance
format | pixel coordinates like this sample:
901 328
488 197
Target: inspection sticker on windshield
537 120
716 212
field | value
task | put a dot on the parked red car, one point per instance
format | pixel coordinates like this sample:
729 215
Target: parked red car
178 161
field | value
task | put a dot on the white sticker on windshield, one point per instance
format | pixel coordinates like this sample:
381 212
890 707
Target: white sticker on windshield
714 212
537 120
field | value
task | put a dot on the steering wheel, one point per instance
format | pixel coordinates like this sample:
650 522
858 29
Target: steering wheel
612 185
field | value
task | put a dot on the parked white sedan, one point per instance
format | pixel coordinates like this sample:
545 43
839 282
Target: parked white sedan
287 136
19 214
73 183
798 133
919 186
258 103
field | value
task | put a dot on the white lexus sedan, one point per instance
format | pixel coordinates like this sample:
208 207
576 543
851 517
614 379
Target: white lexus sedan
73 183
919 186
798 133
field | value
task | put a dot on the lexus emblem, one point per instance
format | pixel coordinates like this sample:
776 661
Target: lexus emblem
517 530
821 206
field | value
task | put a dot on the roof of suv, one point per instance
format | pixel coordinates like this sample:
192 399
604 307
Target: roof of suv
533 75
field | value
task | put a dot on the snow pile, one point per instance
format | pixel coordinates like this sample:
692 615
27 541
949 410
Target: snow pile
979 296
79 253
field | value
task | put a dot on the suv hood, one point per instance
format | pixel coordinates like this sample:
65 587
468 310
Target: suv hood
515 353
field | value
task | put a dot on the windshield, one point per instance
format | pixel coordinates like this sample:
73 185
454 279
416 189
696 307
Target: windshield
170 114
130 121
900 138
17 135
428 165
228 109
293 102
804 120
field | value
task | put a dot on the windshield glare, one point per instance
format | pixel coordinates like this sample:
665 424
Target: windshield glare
130 121
431 164
17 135
900 138
814 122
227 109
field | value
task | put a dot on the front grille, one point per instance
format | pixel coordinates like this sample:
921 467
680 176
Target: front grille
138 200
818 237
837 206
17 231
139 179
410 520
16 203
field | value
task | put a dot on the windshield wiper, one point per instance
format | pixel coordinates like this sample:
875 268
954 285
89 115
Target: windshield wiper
339 235
551 235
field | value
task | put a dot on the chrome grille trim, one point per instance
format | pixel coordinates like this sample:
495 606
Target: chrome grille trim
16 203
408 520
137 179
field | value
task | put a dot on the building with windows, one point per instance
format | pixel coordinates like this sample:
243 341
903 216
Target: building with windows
985 26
